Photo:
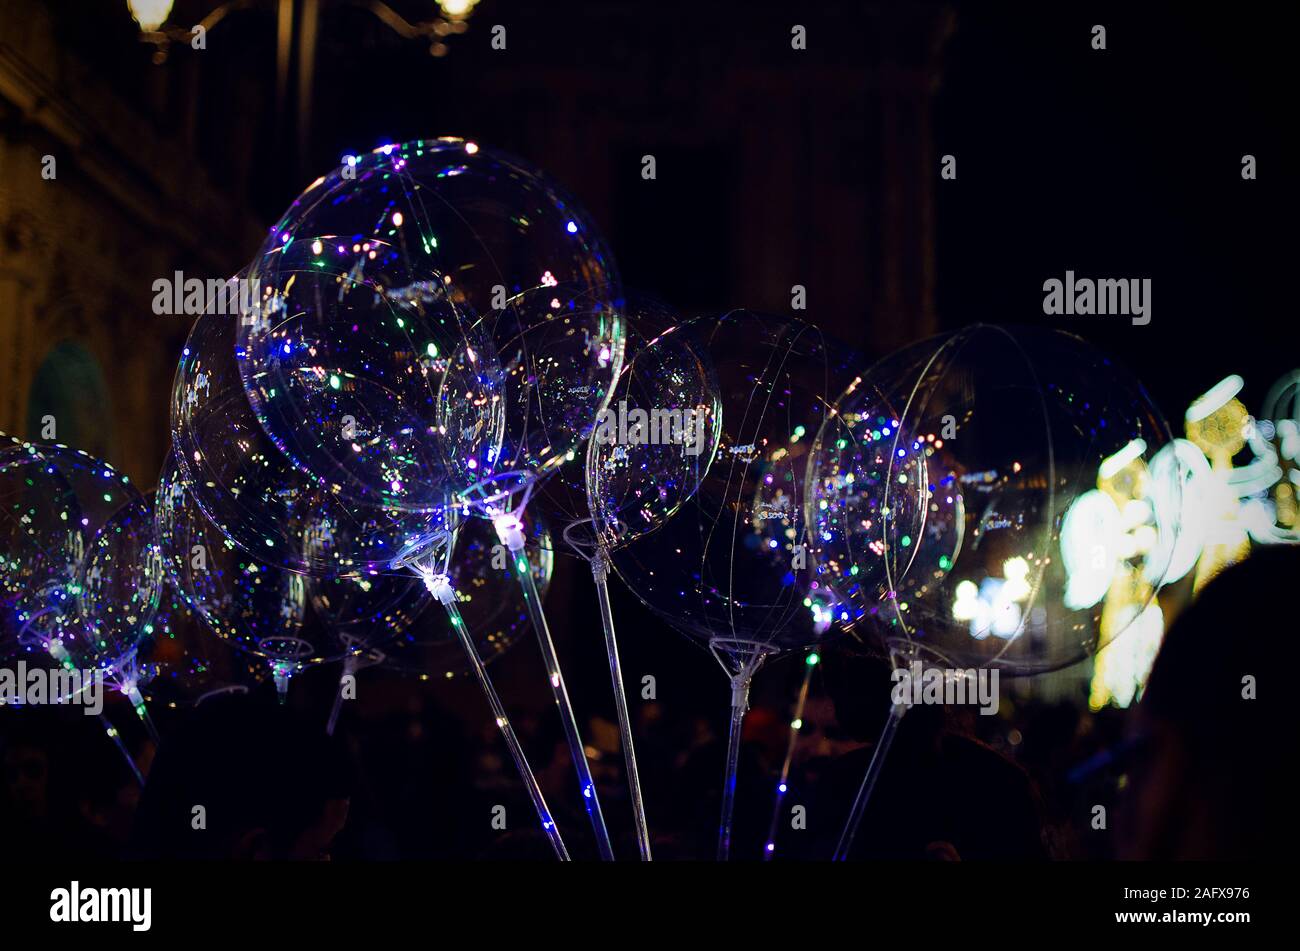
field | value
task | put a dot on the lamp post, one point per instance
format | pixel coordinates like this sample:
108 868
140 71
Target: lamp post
297 30
452 18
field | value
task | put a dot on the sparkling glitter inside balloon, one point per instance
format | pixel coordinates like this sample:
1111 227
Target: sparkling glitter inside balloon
75 573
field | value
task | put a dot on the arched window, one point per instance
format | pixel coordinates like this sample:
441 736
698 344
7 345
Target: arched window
69 386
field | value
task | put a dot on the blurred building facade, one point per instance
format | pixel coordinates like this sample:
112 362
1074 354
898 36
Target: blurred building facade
776 166
98 199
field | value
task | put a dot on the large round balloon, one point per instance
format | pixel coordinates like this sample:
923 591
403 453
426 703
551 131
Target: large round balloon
730 568
989 497
385 291
249 490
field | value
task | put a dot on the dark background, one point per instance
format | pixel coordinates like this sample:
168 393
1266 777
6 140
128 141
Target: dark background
779 166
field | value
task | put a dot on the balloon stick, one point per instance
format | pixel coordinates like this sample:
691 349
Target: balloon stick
783 784
440 587
600 574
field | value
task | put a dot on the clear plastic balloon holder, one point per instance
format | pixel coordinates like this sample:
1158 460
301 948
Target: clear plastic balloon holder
426 361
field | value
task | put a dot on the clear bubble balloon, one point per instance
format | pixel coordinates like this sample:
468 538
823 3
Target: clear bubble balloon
379 394
852 499
560 348
249 490
563 498
1008 518
657 438
382 293
731 567
258 608
64 512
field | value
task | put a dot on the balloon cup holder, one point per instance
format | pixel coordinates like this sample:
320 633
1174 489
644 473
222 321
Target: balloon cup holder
428 553
505 493
289 650
585 539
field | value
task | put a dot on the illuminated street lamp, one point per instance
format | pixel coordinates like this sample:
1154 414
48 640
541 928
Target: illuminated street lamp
151 15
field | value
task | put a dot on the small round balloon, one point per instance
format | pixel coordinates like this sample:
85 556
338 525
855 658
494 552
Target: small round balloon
658 437
71 520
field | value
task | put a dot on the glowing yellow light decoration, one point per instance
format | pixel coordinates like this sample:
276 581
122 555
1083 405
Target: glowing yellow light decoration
1216 423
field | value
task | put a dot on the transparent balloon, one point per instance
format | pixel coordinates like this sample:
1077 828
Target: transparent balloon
258 608
249 490
560 348
64 515
852 498
658 437
563 498
381 291
989 498
730 567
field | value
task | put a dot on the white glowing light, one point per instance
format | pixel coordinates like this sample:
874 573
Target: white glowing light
1111 465
1090 542
967 604
1016 571
150 14
1215 398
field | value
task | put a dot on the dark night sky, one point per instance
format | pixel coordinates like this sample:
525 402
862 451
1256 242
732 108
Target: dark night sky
1127 163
